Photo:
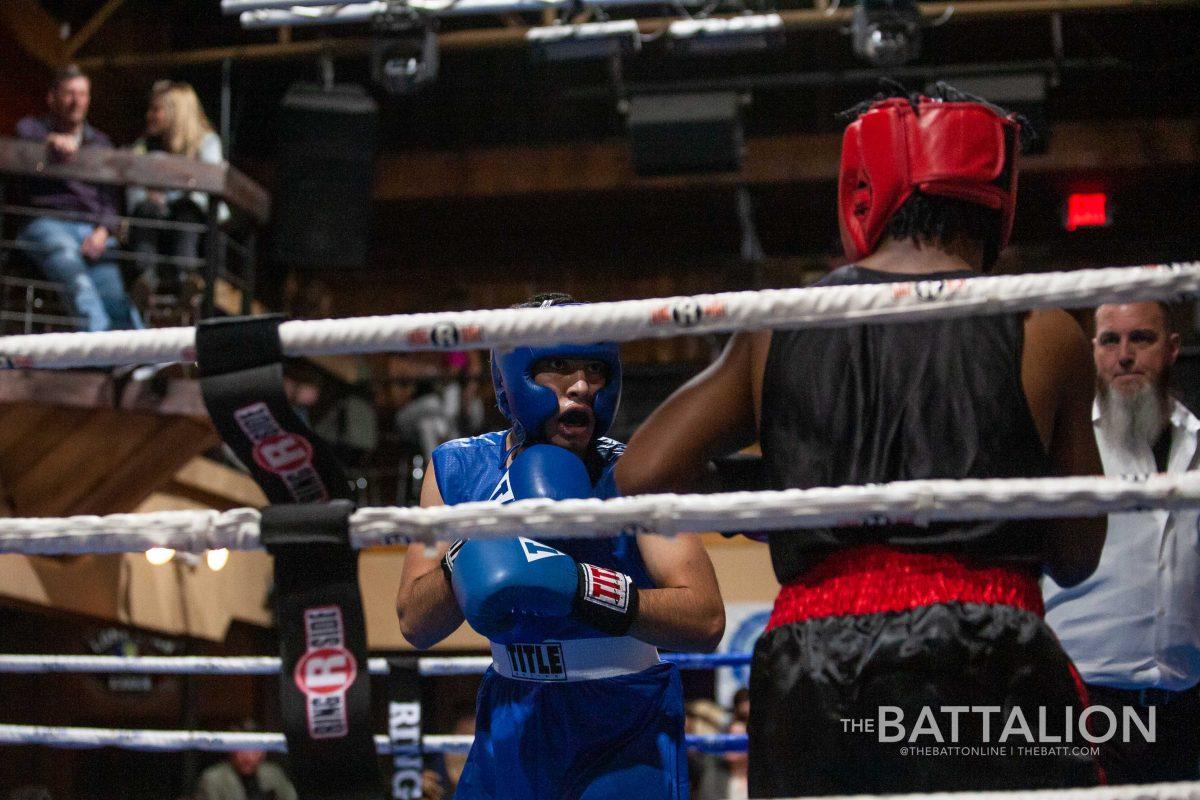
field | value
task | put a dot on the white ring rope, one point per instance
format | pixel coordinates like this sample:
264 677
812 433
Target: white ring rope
917 502
220 741
825 306
1151 791
227 741
174 741
269 665
214 665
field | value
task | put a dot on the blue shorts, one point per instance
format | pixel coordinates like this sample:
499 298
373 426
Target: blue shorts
583 740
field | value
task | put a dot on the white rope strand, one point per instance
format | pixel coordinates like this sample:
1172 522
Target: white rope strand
825 306
193 531
174 741
221 741
146 665
228 741
916 502
32 664
213 665
1152 791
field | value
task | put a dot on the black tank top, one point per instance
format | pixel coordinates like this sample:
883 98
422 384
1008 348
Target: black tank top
900 401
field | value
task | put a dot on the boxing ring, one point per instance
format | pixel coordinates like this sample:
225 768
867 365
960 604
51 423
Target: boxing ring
916 502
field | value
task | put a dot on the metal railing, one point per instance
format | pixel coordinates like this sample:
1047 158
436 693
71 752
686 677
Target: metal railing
31 304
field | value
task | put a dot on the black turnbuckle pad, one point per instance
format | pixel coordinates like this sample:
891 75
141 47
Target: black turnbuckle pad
241 378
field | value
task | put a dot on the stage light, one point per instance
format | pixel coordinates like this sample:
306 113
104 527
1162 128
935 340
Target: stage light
886 32
311 15
217 559
159 555
722 35
404 64
587 42
1087 210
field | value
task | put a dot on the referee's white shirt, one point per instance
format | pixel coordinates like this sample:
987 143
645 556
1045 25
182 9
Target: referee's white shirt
1135 623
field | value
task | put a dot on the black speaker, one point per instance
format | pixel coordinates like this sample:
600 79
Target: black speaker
675 133
326 174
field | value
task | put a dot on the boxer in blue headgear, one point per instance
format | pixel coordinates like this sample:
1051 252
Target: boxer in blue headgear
528 405
574 624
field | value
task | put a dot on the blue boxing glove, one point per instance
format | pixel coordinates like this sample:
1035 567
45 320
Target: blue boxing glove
496 582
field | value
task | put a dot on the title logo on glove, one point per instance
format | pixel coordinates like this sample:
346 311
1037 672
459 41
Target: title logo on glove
606 587
536 551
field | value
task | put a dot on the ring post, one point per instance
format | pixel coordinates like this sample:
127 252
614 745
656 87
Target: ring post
325 688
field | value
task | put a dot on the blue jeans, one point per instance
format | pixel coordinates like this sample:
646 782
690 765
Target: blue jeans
95 290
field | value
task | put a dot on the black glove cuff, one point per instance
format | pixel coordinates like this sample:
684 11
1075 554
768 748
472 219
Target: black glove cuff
605 599
448 559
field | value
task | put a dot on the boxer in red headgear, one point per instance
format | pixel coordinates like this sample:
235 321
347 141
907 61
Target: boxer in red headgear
895 622
898 148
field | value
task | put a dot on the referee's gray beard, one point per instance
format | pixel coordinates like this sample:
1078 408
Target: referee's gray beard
1134 421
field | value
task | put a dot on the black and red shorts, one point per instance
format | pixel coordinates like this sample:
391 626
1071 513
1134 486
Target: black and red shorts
877 628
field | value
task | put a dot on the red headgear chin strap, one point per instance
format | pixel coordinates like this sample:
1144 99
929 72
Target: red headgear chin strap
953 149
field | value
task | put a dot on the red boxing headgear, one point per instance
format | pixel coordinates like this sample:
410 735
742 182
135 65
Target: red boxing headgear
962 150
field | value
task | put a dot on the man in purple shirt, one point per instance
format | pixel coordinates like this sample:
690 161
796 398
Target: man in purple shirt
73 251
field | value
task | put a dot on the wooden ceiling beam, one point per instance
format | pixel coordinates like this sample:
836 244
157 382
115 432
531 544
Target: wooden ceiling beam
35 30
90 27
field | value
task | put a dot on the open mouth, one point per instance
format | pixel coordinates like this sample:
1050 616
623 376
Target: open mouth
574 421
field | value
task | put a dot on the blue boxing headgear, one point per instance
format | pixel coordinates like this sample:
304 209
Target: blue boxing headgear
528 405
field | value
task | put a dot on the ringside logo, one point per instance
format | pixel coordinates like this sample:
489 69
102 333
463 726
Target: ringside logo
404 730
287 455
686 313
283 452
16 362
325 672
445 335
928 290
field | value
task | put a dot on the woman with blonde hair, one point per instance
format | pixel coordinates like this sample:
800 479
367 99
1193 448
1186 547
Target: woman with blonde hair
176 125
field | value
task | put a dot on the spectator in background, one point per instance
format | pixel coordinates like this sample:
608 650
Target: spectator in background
175 125
441 775
708 778
741 704
1133 627
736 767
444 405
73 251
246 775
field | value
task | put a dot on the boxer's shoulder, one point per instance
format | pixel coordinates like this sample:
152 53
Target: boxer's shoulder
495 439
466 469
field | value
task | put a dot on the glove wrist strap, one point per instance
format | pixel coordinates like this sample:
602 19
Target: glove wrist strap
448 559
605 599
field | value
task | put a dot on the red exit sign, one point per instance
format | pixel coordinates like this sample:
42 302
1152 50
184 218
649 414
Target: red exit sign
1087 210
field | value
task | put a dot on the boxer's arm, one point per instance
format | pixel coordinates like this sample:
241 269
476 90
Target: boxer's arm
425 602
1059 378
685 612
711 415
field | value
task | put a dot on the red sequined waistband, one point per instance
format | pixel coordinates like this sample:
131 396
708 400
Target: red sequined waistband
874 579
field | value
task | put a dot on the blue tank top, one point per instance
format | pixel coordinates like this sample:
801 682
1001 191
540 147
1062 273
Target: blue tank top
470 469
